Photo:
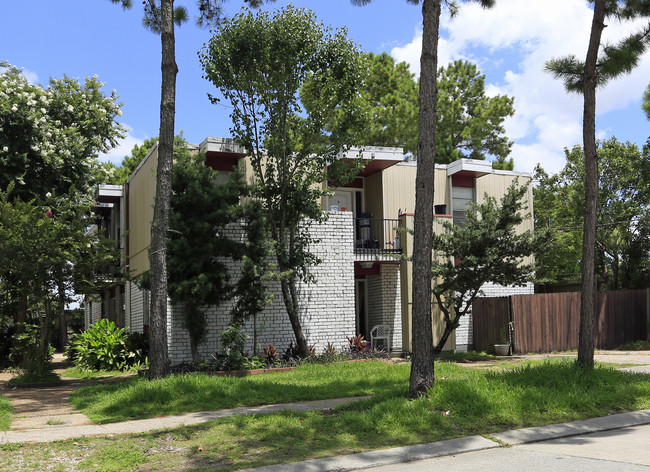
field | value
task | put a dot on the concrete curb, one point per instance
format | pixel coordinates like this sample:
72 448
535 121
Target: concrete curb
574 428
384 457
399 455
57 433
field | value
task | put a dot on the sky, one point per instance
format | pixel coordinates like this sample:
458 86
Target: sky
510 43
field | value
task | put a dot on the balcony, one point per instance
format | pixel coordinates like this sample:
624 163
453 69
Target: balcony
377 239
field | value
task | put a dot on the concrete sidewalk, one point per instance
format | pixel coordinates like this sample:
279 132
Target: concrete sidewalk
44 414
57 432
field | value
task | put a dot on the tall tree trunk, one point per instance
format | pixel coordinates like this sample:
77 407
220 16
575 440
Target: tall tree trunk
422 367
290 298
21 313
63 322
44 321
588 298
158 354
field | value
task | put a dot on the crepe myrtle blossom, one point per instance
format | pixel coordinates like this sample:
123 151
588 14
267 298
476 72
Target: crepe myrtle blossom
51 135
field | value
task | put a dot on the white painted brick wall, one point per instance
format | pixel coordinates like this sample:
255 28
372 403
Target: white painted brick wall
384 302
326 307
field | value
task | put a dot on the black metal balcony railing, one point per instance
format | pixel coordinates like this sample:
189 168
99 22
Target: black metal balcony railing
377 236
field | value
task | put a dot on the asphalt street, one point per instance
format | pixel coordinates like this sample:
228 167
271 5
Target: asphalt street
624 449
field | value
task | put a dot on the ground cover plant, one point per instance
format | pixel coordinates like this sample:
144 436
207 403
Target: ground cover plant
5 413
635 346
477 401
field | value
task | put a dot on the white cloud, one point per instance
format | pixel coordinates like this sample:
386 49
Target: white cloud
522 36
124 148
32 77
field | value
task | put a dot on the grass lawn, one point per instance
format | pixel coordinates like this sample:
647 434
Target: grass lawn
480 401
5 413
139 398
78 373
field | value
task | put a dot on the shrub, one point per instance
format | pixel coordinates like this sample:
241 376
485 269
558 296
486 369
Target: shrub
358 343
104 346
26 354
270 354
293 353
233 341
6 341
138 343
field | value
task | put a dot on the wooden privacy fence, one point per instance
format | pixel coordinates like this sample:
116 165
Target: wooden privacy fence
549 322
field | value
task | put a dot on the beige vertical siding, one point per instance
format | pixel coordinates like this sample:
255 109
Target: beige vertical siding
373 195
142 192
496 186
399 189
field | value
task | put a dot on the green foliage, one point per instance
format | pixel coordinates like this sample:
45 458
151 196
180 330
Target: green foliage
50 137
490 247
6 341
287 78
103 346
5 415
646 102
622 248
200 246
33 362
635 346
470 124
466 115
233 342
390 99
614 59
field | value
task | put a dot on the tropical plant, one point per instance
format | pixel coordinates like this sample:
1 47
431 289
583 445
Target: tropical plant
358 343
103 346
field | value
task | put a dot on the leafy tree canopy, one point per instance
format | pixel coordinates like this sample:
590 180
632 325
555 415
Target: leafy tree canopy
470 124
390 99
489 248
472 121
287 78
50 137
623 210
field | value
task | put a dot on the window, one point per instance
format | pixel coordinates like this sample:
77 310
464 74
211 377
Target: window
462 197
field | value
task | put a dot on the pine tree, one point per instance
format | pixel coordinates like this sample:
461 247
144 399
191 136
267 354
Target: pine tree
584 77
422 366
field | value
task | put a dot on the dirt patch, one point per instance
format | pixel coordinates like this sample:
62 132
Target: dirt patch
48 405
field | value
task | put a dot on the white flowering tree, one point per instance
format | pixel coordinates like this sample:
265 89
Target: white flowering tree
50 137
49 141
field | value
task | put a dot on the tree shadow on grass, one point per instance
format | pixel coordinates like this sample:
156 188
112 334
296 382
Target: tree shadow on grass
198 392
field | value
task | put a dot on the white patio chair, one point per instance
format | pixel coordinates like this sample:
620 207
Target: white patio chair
379 332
